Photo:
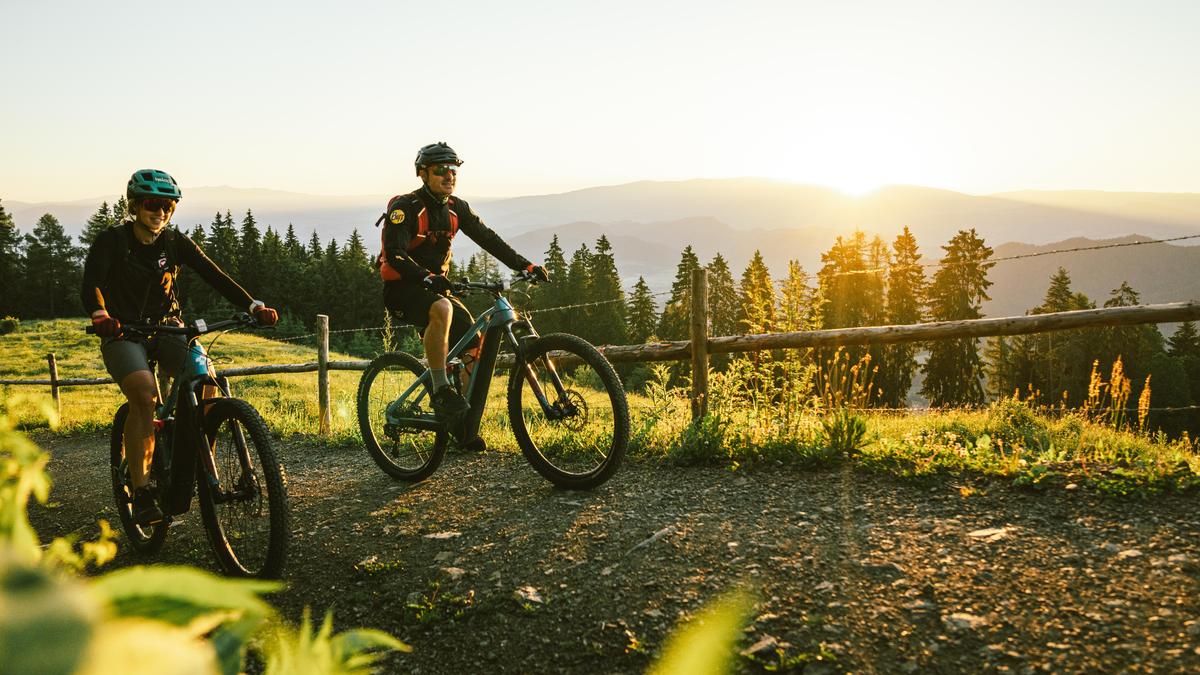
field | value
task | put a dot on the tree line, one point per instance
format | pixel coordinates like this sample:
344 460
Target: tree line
861 282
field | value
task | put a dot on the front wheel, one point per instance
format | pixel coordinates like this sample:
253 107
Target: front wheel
243 503
145 540
577 433
401 450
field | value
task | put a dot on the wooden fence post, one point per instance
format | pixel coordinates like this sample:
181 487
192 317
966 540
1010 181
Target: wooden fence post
54 382
326 422
699 330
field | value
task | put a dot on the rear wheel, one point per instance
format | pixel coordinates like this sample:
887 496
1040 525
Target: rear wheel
244 505
402 451
578 440
144 540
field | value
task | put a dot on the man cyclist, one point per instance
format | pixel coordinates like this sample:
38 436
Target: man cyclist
130 276
418 230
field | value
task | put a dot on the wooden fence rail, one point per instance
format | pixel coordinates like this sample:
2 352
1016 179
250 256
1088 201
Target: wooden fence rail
683 349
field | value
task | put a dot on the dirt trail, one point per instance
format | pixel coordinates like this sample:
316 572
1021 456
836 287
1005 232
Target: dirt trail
486 567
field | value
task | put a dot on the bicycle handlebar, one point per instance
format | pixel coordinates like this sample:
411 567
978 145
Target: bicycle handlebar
465 285
193 329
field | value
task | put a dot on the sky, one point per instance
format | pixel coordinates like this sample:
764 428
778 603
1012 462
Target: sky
540 97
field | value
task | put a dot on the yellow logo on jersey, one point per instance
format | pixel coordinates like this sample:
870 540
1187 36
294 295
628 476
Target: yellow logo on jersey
396 217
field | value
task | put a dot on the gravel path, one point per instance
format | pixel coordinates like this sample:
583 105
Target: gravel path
486 567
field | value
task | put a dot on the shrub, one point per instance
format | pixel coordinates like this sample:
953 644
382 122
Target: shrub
9 324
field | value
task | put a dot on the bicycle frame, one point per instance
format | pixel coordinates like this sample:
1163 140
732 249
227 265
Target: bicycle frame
177 459
494 323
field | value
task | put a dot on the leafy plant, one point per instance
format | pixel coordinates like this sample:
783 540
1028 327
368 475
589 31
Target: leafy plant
139 619
844 431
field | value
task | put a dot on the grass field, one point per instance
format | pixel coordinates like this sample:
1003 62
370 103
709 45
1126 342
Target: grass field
1007 440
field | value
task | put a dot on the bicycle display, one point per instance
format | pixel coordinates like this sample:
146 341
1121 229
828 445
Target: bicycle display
566 405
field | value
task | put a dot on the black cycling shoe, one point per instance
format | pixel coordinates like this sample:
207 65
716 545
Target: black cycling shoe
448 404
145 508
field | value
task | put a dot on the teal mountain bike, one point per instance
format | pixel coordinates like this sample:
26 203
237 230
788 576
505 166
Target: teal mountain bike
566 405
218 448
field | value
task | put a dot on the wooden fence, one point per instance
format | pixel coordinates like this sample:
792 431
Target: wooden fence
701 345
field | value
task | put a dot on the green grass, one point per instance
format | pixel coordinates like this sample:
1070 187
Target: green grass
1008 440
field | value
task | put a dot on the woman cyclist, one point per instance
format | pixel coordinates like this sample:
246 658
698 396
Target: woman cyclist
130 276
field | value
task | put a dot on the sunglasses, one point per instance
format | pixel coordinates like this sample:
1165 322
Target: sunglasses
443 169
164 205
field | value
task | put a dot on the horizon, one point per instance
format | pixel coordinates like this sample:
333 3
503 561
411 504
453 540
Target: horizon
551 99
5 199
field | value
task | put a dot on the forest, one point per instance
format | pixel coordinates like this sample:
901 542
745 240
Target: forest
862 281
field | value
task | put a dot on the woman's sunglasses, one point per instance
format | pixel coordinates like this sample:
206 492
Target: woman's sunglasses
164 205
443 169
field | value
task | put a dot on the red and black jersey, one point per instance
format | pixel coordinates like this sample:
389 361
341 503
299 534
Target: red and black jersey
419 228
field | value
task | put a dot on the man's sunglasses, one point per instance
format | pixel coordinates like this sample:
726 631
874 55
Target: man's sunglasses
443 169
164 205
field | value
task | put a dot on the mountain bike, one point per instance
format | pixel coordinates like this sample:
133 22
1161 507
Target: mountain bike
566 405
218 448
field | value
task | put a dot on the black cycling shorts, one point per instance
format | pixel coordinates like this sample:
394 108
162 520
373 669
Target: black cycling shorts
411 301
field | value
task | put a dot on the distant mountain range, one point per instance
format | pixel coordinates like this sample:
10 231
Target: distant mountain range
649 223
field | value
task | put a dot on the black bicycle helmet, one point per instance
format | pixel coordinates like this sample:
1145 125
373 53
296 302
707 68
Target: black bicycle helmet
148 183
436 153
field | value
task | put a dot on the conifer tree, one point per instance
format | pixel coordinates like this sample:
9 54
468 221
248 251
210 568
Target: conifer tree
553 294
673 325
101 220
1054 367
954 370
607 321
723 303
642 315
756 314
53 266
249 256
314 247
905 300
578 286
1185 349
757 298
292 246
11 254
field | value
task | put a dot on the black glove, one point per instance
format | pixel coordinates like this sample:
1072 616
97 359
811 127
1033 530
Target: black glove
538 272
438 283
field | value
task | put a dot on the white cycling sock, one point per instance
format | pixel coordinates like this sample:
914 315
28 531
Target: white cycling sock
439 378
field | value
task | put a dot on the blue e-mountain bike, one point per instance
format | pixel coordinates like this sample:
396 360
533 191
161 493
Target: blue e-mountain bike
218 448
566 405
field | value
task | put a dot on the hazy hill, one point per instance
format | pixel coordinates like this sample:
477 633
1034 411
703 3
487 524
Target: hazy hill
1160 272
742 204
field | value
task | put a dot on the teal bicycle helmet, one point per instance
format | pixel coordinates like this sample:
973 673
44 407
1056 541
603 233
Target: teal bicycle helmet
147 183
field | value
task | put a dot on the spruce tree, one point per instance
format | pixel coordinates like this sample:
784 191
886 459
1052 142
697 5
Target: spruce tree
99 221
641 314
607 321
723 300
756 314
553 294
292 246
673 325
11 254
1185 349
905 300
578 320
954 371
249 256
53 266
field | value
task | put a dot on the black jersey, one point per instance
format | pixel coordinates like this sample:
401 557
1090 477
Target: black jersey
136 282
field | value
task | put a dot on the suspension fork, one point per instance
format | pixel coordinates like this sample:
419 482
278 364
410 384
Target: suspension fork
531 377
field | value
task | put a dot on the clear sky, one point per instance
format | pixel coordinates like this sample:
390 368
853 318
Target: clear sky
545 96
